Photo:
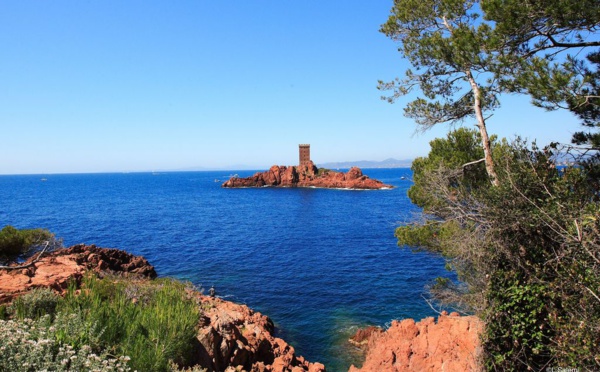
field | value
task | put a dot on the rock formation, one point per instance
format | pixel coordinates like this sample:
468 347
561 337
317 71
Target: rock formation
307 176
56 269
231 337
451 344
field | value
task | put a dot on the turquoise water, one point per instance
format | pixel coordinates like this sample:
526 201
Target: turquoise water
320 263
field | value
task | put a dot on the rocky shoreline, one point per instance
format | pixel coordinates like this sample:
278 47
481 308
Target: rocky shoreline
232 337
450 344
308 176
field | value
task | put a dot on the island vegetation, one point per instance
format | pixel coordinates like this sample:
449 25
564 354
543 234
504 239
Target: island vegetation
519 224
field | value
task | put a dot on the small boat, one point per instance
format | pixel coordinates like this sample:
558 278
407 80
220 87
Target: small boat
44 179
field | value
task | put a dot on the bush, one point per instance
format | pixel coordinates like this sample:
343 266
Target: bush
15 242
153 322
34 304
527 250
3 312
31 345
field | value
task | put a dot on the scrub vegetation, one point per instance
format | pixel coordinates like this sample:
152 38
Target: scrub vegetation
15 242
519 224
109 324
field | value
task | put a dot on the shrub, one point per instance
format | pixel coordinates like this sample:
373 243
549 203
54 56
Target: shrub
153 322
526 251
14 242
3 312
34 304
21 244
30 345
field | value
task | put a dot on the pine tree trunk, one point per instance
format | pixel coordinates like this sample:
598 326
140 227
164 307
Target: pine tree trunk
485 139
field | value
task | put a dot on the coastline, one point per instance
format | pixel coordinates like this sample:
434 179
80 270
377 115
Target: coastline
232 335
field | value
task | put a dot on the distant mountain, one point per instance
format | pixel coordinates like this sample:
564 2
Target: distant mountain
387 163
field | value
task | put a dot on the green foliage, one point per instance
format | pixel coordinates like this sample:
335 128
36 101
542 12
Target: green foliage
528 27
36 303
14 242
518 324
454 52
31 345
546 249
433 234
547 50
460 147
527 251
447 43
587 105
151 322
322 171
76 331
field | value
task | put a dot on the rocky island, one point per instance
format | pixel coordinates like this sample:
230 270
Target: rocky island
306 174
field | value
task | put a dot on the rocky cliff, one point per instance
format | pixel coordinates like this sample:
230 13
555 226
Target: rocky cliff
308 176
451 344
231 337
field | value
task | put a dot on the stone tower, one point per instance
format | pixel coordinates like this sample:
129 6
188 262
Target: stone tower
304 155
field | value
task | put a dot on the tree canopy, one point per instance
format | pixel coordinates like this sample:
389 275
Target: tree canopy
450 49
550 50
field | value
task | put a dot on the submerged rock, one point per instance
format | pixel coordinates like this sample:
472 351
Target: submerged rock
308 176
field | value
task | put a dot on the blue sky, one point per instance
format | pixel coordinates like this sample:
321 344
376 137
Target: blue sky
101 86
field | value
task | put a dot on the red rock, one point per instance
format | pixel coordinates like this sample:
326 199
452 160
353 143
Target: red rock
451 344
354 173
307 176
56 269
362 336
316 367
239 338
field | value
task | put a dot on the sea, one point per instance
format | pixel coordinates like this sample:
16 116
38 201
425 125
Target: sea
321 263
